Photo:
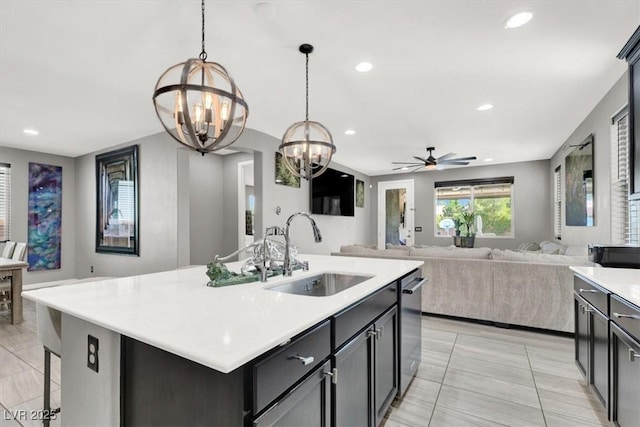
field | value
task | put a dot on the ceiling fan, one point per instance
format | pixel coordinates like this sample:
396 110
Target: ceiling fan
433 163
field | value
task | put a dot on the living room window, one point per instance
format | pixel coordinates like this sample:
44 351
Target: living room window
625 221
490 200
557 204
5 202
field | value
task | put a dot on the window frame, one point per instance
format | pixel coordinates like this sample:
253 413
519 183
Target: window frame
5 169
476 183
557 203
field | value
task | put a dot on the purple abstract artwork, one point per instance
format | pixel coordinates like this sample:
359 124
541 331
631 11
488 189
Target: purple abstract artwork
45 217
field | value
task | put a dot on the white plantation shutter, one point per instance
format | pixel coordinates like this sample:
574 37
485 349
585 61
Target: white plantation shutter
557 212
624 214
5 202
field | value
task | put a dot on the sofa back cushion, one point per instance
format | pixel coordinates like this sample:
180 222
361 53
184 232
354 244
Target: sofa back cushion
536 257
398 247
355 249
529 247
451 252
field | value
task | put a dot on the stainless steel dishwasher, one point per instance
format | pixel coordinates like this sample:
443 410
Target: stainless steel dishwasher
410 325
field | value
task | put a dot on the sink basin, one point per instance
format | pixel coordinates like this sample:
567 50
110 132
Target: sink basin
321 285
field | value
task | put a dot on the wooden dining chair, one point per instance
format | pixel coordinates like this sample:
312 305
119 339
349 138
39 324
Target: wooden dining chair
19 253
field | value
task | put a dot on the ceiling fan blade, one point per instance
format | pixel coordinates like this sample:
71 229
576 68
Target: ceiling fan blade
421 159
403 167
460 159
445 157
454 162
406 163
416 169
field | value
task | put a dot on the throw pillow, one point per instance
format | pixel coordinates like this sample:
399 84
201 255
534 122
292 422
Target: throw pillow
529 247
552 248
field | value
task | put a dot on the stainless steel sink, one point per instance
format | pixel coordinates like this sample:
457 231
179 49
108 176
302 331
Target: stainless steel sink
321 285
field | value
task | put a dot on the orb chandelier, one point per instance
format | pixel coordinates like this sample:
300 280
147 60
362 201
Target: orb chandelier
199 104
307 147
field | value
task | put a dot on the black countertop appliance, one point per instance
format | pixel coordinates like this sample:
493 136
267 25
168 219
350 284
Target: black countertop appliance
623 256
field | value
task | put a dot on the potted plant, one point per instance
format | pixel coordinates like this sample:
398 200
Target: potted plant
466 218
457 224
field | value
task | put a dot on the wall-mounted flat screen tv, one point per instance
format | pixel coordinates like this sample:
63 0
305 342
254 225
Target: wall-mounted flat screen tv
332 193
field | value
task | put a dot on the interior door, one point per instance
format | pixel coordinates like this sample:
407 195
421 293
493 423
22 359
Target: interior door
395 213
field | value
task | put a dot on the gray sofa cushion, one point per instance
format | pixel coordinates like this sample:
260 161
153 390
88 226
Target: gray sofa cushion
538 258
399 247
448 252
356 248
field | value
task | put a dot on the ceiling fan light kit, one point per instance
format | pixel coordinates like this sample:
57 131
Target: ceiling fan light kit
307 146
431 163
199 104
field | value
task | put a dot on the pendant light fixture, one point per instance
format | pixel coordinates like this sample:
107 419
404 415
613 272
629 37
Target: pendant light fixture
199 104
307 147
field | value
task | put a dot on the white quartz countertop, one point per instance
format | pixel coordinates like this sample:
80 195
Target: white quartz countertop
624 282
222 328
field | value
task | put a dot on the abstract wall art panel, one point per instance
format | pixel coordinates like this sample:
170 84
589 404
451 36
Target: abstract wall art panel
45 217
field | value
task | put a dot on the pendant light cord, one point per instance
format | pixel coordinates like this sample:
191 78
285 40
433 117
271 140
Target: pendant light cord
203 54
307 88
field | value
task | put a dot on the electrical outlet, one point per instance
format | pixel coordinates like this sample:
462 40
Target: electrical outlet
92 268
418 229
92 353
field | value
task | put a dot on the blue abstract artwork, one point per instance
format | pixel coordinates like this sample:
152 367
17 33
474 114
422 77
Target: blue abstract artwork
45 217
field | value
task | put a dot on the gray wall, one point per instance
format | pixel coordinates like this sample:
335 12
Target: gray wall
206 186
19 160
230 201
530 202
158 187
599 123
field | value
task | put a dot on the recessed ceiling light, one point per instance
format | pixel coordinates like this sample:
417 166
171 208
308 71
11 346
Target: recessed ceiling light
363 67
30 131
488 160
518 20
349 132
485 107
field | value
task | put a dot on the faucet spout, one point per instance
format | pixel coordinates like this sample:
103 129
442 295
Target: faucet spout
317 237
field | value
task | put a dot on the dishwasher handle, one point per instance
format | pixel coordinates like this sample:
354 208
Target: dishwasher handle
421 282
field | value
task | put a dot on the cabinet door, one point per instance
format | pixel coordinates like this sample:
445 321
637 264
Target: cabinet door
625 379
353 401
581 336
599 350
306 405
386 362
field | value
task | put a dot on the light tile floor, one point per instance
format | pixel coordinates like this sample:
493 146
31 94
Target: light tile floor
470 375
479 375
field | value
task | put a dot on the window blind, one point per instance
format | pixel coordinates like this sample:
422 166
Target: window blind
5 202
557 212
620 220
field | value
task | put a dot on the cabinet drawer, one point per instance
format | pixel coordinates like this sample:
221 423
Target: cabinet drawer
626 315
279 371
353 319
593 293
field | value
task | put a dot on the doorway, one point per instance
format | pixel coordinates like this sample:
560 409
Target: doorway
395 213
246 206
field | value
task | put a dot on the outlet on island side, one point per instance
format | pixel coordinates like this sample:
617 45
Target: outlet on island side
92 353
92 268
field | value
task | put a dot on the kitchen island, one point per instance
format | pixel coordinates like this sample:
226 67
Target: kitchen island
172 327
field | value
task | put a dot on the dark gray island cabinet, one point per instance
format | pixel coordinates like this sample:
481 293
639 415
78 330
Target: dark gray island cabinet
342 371
607 338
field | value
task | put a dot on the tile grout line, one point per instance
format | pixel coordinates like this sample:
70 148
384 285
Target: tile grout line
442 380
544 418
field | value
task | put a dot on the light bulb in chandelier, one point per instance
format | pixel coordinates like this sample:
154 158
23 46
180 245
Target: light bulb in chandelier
199 104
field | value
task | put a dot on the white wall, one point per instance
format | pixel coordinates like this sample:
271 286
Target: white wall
19 161
597 122
230 201
530 202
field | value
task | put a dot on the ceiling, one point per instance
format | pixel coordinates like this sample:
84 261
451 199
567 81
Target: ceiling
82 72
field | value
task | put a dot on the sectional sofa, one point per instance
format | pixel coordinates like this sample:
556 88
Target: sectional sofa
508 287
